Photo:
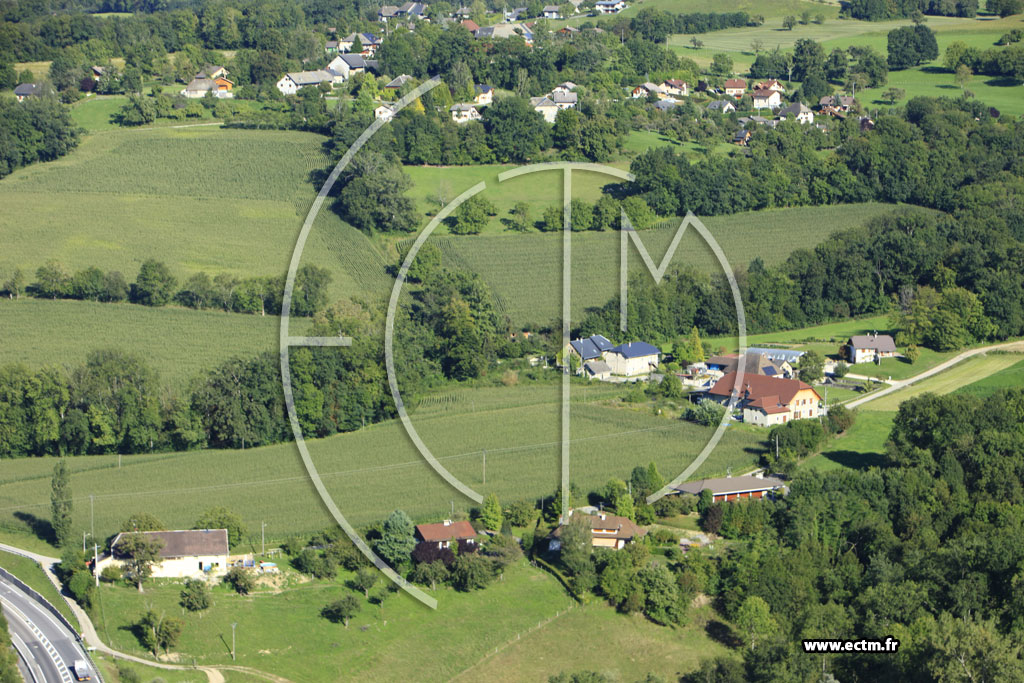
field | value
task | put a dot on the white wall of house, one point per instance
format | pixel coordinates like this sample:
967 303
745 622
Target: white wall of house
287 86
179 567
756 417
631 367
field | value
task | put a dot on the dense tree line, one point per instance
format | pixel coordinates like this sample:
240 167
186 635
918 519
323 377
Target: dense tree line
1008 61
944 284
656 25
157 286
37 129
926 549
115 403
879 10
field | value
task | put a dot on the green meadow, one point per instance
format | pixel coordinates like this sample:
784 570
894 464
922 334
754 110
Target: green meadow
931 79
862 446
1011 377
178 343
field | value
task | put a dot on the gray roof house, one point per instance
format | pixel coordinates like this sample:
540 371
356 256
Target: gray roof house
723 106
592 347
734 488
791 356
636 349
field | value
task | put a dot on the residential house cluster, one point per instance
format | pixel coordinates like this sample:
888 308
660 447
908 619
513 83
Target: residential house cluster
599 358
339 70
211 80
667 92
563 96
766 400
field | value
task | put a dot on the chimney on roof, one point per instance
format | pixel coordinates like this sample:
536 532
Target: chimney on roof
602 515
447 522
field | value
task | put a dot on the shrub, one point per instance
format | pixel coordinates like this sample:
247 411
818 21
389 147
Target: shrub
241 580
111 574
706 413
195 596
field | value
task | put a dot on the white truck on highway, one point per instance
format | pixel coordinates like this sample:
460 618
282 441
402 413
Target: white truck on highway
82 670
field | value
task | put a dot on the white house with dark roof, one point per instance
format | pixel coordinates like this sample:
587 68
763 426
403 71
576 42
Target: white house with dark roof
464 113
767 99
866 348
193 553
483 94
26 90
633 359
798 111
724 106
343 67
564 100
293 81
384 112
545 107
609 6
551 12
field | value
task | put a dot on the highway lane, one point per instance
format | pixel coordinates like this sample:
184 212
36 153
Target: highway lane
53 646
36 661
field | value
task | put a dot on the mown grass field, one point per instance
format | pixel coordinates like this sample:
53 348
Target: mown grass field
96 113
375 470
1007 378
622 647
32 574
281 632
178 343
524 270
965 373
862 446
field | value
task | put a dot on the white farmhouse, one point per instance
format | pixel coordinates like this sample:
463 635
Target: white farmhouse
185 554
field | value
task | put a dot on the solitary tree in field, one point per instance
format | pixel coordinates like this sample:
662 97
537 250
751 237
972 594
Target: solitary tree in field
912 353
365 579
756 46
696 42
16 285
894 94
963 76
138 554
60 502
342 610
195 596
789 22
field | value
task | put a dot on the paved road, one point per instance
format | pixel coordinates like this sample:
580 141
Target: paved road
50 647
945 365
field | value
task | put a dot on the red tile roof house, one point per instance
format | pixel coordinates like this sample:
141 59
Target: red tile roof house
768 401
446 532
735 87
734 488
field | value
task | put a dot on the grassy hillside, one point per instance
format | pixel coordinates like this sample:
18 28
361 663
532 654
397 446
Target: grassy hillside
931 79
200 199
965 373
176 342
1006 378
377 469
524 270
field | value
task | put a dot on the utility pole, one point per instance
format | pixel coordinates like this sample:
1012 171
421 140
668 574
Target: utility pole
233 625
95 563
776 447
263 538
118 461
453 508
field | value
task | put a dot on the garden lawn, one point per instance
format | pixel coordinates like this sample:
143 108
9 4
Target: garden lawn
96 113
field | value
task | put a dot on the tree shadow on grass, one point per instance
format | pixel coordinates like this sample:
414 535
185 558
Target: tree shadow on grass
854 460
1002 82
935 70
38 526
722 633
